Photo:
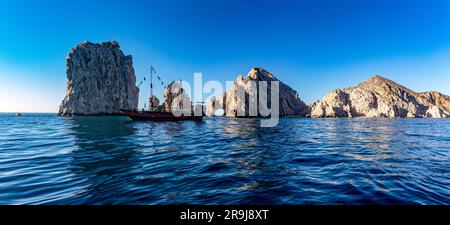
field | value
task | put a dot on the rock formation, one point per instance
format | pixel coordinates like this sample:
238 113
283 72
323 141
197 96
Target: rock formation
213 106
230 102
153 102
381 98
101 80
175 97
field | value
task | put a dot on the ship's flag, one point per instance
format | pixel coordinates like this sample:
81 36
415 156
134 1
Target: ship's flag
159 78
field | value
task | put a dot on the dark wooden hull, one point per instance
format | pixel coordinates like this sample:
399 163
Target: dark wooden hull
157 116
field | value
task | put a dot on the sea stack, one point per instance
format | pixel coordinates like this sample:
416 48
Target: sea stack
100 80
153 102
176 98
290 103
379 97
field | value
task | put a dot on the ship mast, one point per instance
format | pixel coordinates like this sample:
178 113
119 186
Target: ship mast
152 69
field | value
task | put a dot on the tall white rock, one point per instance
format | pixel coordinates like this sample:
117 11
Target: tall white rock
100 80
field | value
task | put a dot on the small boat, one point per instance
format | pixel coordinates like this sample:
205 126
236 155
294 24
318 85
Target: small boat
157 116
18 114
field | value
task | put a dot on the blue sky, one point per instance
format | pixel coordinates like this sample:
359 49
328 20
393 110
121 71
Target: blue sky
313 46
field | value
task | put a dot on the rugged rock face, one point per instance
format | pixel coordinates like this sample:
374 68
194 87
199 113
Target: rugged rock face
212 106
153 102
379 97
101 80
175 97
289 101
437 99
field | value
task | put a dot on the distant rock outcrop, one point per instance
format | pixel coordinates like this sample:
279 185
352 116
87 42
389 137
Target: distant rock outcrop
379 97
101 80
153 102
289 102
213 106
176 98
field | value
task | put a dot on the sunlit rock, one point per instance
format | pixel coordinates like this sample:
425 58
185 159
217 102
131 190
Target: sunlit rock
379 97
231 103
100 80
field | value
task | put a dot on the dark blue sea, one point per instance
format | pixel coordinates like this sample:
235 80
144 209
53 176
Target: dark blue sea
46 159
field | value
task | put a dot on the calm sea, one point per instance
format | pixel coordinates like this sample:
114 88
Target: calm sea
45 159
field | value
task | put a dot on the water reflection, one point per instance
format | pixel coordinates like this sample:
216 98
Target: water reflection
112 160
255 162
105 157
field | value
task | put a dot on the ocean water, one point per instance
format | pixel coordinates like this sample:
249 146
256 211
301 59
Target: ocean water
45 159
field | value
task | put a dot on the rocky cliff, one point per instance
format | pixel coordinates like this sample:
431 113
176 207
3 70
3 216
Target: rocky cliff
101 80
379 97
230 102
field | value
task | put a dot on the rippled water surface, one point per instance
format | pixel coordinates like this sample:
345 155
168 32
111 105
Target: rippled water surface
45 159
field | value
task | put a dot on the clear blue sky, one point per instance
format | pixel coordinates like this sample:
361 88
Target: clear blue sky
313 46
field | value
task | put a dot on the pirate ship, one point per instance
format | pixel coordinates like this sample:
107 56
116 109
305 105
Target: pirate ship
157 112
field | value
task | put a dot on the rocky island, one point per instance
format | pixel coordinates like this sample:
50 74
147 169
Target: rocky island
379 97
290 103
100 80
